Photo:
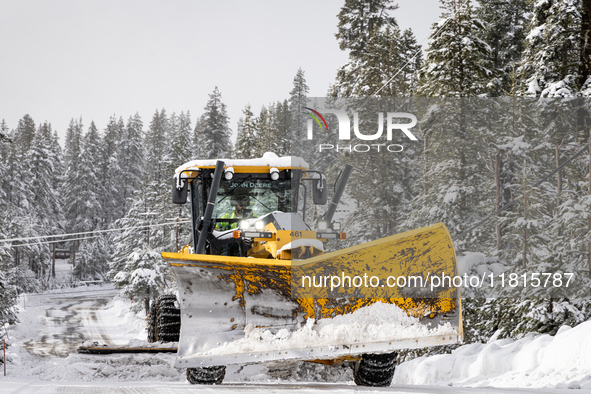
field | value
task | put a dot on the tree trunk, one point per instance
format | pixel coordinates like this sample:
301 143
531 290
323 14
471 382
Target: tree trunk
53 261
558 182
497 163
147 302
585 59
558 175
589 218
524 253
425 147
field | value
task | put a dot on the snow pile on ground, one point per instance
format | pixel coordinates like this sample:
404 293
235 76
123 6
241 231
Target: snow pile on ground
55 323
562 361
379 322
82 367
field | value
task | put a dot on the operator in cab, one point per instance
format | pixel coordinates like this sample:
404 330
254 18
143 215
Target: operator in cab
240 211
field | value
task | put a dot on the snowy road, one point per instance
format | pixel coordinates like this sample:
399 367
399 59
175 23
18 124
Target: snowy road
21 387
42 359
66 320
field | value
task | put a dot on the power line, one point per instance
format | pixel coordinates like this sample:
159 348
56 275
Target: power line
52 242
87 232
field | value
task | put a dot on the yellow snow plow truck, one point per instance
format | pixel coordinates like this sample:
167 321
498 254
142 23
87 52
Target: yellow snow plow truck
257 284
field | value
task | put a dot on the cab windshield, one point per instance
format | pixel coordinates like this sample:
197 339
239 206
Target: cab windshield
258 196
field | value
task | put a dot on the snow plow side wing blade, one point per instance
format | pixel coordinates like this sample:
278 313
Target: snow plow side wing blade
121 349
245 310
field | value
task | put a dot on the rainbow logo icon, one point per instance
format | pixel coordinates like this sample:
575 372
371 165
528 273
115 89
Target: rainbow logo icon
315 118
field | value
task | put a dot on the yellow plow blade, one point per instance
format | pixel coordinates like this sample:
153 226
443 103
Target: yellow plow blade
362 299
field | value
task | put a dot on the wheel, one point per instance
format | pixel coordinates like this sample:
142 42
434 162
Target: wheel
152 335
168 319
376 370
206 375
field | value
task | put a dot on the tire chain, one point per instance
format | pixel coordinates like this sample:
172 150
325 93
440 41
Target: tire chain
168 319
206 375
376 370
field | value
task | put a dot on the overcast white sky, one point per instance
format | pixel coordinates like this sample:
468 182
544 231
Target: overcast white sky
63 59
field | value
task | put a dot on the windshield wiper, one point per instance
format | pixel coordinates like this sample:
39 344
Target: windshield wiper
262 203
237 186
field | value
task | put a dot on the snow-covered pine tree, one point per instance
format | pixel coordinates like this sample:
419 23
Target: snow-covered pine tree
278 135
43 167
7 288
72 152
112 200
92 258
456 65
213 128
298 97
84 198
198 142
4 137
130 158
16 219
380 63
457 62
412 56
45 174
178 150
359 20
505 25
246 141
183 139
155 144
25 132
8 293
585 46
263 132
283 117
136 267
552 56
388 67
22 218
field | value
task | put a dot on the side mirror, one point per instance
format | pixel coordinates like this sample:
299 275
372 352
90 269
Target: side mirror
319 191
179 196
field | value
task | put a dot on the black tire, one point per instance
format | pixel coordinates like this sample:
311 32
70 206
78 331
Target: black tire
152 330
168 319
376 370
206 375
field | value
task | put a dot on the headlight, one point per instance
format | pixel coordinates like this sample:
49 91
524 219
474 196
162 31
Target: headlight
274 173
322 225
259 225
336 226
244 224
229 173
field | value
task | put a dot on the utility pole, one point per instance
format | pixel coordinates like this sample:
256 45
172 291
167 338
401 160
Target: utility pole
53 260
147 218
176 219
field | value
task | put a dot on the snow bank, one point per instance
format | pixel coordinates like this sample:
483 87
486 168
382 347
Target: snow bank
562 361
377 323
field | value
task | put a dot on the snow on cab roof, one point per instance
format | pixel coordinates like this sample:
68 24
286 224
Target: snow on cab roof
269 159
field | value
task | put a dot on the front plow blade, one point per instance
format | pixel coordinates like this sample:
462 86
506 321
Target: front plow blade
244 310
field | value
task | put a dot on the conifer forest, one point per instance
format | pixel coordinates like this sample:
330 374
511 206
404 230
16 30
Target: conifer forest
503 158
